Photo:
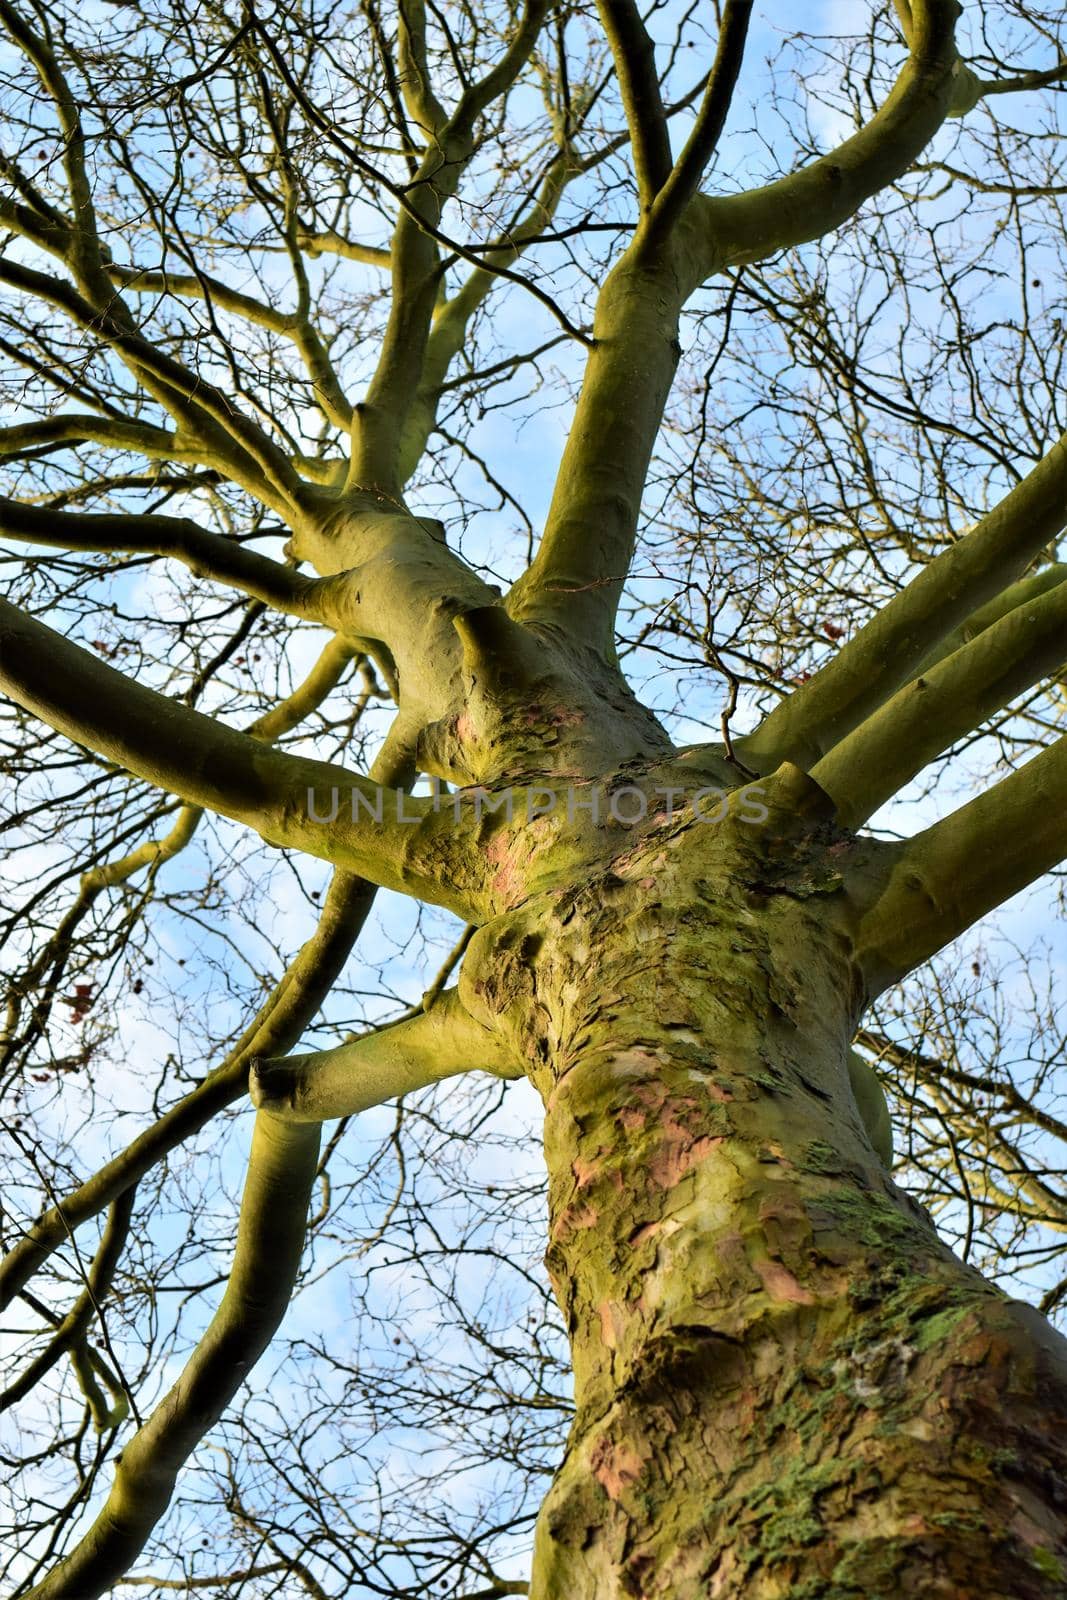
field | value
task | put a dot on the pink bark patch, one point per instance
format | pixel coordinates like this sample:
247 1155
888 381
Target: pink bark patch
572 1220
632 1119
615 1466
464 726
681 1147
680 1153
780 1284
611 1323
585 1171
508 883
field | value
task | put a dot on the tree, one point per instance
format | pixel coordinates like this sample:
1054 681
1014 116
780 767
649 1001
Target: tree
219 231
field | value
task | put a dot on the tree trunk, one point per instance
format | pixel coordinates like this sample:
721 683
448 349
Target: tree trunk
785 1384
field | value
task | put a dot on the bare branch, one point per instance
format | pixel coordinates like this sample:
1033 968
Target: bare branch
885 653
441 1042
635 69
282 796
207 555
74 1325
684 180
229 437
281 1020
270 1238
953 698
948 876
741 228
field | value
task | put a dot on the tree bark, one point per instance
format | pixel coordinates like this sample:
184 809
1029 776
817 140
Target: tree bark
786 1385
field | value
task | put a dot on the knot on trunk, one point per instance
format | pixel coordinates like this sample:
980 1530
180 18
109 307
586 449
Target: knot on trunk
519 703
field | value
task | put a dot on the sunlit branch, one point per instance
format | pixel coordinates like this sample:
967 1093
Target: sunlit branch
332 244
206 554
83 250
284 797
201 286
885 653
413 70
684 180
379 421
441 1042
73 1327
585 552
90 1369
452 319
951 699
270 1237
949 875
68 429
635 68
230 438
277 1026
331 398
1023 80
578 573
1016 594
816 199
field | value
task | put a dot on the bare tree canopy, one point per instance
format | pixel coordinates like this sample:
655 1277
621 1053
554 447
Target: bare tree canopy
534 658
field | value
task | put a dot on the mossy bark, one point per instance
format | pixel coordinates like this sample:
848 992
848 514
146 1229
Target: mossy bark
785 1384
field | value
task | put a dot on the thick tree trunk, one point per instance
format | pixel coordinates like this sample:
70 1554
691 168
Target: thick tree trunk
785 1385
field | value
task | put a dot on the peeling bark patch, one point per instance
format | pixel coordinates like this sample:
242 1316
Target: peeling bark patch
585 1171
679 1153
612 1316
615 1465
781 1285
573 1220
509 882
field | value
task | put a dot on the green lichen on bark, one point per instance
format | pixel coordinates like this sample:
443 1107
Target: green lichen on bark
784 1383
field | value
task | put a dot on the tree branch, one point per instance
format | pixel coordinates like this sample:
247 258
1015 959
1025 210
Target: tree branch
423 106
68 429
201 286
207 555
886 652
72 1329
452 320
585 552
278 1024
441 1042
270 1237
1016 594
379 421
400 845
248 454
635 68
578 573
684 180
738 229
329 243
951 699
948 876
